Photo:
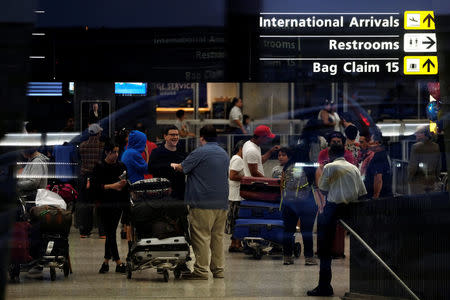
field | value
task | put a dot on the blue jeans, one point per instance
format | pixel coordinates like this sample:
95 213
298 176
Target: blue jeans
305 210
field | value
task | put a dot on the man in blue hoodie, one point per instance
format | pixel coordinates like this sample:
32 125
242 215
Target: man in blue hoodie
132 158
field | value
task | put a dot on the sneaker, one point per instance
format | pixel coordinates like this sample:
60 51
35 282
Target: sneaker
194 276
103 237
310 261
84 236
122 268
104 268
219 275
288 260
321 291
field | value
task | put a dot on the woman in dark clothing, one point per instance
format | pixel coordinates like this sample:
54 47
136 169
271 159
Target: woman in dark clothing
298 202
113 200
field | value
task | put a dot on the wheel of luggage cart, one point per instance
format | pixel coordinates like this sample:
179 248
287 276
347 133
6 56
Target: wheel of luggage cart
52 273
257 254
177 273
66 269
297 249
129 271
166 275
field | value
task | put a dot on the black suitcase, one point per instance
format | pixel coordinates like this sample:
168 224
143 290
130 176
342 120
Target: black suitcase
145 213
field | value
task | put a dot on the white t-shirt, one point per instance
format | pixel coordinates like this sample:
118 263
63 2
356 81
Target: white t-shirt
251 154
236 164
235 114
179 124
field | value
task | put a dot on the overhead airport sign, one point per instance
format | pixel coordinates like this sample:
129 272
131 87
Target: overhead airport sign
352 44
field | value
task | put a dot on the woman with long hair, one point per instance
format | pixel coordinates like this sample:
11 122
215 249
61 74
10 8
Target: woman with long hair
298 202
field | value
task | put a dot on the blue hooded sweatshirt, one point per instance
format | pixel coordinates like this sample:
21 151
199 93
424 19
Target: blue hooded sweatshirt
136 165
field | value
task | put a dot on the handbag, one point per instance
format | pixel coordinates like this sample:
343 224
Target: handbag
46 197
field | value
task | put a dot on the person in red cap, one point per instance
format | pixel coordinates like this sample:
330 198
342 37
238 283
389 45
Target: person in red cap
251 152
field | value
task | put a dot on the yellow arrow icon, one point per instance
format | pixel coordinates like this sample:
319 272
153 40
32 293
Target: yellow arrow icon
420 65
419 20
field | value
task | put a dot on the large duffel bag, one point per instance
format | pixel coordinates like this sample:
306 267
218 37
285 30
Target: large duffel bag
260 189
259 210
20 243
52 219
149 189
270 230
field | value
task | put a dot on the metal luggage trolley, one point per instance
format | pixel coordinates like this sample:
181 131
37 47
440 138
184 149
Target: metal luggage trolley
166 254
53 251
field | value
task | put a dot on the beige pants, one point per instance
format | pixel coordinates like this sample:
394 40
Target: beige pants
207 232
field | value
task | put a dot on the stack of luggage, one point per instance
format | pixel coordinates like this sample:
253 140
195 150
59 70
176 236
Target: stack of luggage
259 224
160 227
40 237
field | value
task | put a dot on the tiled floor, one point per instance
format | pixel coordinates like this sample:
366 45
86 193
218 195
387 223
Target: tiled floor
245 278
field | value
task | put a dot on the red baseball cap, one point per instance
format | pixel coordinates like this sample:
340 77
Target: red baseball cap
263 131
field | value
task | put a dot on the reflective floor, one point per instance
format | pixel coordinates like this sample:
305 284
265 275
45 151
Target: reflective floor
245 278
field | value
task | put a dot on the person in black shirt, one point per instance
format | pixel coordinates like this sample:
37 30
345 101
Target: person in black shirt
163 156
113 198
378 178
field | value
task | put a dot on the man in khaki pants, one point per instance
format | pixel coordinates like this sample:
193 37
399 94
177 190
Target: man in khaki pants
206 195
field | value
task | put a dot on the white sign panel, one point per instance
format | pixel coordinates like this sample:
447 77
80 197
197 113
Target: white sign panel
419 42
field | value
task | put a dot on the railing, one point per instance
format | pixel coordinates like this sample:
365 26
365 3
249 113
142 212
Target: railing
375 255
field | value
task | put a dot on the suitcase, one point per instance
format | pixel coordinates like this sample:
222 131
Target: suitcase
337 251
260 189
151 248
54 245
259 210
270 230
52 219
159 218
20 243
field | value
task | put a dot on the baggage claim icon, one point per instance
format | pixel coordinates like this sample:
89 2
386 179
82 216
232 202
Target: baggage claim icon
420 65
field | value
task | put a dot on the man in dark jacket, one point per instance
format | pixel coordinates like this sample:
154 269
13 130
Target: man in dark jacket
163 156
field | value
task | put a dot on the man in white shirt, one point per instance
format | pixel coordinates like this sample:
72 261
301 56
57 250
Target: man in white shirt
341 182
182 125
236 117
251 152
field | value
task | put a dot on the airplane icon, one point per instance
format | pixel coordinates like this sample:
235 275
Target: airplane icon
413 20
